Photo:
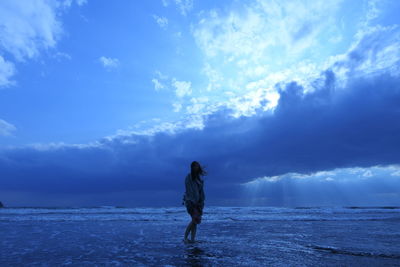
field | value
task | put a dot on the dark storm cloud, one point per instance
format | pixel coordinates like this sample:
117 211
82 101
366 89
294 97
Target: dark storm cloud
332 127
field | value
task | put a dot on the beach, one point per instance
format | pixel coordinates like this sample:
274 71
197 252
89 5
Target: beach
227 236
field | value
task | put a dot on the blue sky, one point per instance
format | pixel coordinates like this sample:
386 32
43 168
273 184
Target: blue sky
286 103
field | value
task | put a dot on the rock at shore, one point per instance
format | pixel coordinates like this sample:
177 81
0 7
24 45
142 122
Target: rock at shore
1 205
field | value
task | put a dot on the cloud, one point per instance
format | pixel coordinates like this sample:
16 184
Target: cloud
352 124
161 21
241 50
198 105
6 129
7 70
108 62
255 29
342 190
68 3
248 47
161 75
339 175
177 107
157 84
182 88
185 6
159 81
27 29
81 2
367 174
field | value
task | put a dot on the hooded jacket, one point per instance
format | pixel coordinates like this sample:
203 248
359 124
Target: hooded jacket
194 191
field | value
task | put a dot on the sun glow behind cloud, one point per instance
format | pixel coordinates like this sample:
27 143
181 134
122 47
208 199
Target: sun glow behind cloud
258 44
247 48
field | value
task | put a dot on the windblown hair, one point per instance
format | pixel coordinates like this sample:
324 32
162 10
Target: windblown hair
201 170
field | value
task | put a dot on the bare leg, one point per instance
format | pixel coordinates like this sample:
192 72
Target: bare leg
188 229
194 228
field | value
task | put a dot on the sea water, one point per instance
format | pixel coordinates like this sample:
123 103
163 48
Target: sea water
227 236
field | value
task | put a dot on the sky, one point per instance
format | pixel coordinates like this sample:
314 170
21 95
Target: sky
285 103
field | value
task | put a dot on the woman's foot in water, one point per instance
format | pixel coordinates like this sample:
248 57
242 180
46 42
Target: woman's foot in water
188 241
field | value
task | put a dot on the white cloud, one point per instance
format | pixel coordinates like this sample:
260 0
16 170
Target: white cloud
182 88
109 62
249 47
185 6
28 26
161 75
316 174
372 12
59 145
158 81
197 105
7 70
164 127
6 129
161 21
248 50
157 84
259 180
177 107
68 3
81 2
340 174
373 51
215 77
257 29
26 29
368 173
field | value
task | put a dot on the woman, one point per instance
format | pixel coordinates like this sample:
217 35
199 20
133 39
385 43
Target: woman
194 198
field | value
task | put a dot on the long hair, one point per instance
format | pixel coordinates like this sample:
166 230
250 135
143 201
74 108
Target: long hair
197 174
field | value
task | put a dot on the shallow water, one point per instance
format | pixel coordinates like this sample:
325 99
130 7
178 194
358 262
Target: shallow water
227 236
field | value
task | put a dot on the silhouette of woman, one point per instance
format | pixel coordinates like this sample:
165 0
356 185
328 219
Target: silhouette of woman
194 199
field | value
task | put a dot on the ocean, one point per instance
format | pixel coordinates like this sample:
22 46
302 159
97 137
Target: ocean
227 236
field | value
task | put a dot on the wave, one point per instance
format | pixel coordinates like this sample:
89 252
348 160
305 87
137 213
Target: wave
349 207
210 220
103 210
86 219
67 207
87 213
335 250
315 219
372 207
242 214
